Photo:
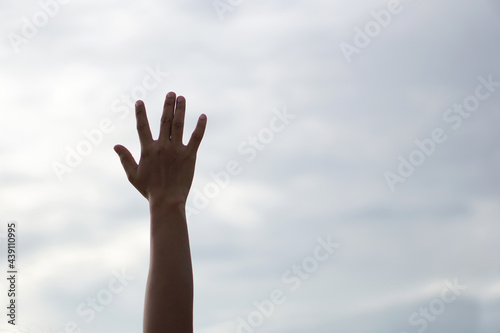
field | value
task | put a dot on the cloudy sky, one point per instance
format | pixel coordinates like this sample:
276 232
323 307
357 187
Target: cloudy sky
366 190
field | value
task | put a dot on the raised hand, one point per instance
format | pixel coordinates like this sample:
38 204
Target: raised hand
164 176
166 166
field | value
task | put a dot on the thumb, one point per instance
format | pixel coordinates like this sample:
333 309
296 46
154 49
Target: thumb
127 160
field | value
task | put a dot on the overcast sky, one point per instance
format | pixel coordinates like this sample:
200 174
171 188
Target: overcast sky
348 180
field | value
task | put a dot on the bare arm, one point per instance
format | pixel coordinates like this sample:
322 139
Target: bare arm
164 176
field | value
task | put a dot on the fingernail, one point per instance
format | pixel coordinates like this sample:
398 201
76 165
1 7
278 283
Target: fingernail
181 99
139 103
203 117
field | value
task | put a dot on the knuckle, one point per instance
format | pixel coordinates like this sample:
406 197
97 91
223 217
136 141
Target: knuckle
178 125
145 152
141 125
166 120
156 149
197 136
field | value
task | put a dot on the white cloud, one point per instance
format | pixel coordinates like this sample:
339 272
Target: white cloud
323 174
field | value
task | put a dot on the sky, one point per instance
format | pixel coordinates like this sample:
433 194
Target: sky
347 181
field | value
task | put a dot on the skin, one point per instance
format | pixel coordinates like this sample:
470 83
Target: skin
164 176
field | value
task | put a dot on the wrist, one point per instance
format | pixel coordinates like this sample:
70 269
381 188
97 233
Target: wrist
168 216
166 201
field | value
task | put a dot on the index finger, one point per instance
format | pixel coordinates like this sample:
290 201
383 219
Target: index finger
143 129
197 135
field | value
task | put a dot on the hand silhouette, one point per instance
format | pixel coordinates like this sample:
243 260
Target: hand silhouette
166 166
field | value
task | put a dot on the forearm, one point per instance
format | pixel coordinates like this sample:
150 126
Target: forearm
169 291
163 176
